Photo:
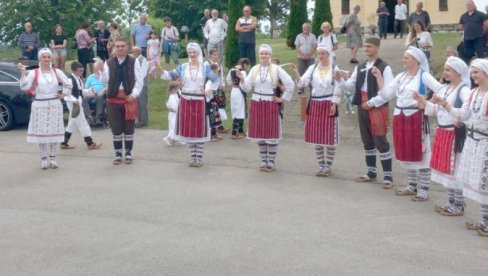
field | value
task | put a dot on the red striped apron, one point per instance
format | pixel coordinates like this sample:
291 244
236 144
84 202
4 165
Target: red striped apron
443 156
264 120
320 127
407 136
191 120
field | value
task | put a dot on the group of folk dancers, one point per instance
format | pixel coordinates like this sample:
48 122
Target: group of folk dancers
458 158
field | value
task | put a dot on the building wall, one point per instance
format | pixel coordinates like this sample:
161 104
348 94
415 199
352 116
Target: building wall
368 11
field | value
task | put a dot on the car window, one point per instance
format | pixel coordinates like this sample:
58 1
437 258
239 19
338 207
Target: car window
6 78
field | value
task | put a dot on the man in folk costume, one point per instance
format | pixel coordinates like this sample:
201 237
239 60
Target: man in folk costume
322 123
264 115
450 133
411 130
473 166
192 123
373 123
125 81
143 117
74 101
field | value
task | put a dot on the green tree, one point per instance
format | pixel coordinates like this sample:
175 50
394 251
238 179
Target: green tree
322 13
275 13
298 15
45 14
231 51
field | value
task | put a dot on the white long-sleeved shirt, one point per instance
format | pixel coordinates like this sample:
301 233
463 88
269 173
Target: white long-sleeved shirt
350 84
193 81
474 113
263 78
321 85
215 30
444 118
424 40
403 87
139 81
172 103
47 83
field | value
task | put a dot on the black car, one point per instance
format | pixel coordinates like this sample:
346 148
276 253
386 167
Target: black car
15 105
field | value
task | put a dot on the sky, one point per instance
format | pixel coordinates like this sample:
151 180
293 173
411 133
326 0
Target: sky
480 4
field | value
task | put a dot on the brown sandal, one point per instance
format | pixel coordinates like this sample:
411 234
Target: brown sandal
416 198
474 225
365 178
483 232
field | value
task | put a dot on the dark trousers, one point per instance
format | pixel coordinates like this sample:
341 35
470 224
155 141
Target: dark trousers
248 50
144 51
237 126
303 65
85 56
369 141
118 123
471 48
398 27
383 27
32 55
103 55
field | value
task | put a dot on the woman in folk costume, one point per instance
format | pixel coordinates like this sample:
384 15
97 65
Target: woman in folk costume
46 126
322 123
192 125
450 134
264 114
473 165
410 126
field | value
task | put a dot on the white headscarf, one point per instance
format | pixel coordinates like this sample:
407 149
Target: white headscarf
44 51
195 46
461 68
323 47
265 47
420 57
481 64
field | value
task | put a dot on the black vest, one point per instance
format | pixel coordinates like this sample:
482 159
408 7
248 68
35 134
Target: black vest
121 74
372 83
75 91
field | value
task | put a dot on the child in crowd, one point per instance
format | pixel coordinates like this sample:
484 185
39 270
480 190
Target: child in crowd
238 101
172 105
219 94
213 107
153 51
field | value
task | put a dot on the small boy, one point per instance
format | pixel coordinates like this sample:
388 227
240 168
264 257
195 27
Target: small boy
213 108
172 105
238 100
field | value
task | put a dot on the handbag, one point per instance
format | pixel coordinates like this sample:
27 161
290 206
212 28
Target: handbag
74 45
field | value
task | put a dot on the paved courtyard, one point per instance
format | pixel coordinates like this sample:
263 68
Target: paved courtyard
160 217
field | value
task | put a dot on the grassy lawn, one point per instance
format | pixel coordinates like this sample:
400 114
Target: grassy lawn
158 88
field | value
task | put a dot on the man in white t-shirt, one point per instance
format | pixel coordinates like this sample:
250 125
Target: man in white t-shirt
400 17
215 31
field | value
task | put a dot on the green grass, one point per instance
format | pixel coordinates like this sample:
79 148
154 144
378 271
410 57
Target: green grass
158 88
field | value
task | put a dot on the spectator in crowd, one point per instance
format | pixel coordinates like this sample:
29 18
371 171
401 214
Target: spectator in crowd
203 22
143 117
215 31
58 45
102 36
114 34
354 37
420 15
153 53
246 26
474 23
96 96
305 45
170 37
451 52
29 42
328 38
139 34
420 38
400 17
84 43
225 16
383 14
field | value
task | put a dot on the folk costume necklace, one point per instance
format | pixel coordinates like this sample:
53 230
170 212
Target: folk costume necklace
194 77
263 74
448 93
401 87
323 71
44 77
478 101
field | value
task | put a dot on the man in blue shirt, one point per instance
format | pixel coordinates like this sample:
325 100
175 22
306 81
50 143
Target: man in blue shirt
139 34
474 23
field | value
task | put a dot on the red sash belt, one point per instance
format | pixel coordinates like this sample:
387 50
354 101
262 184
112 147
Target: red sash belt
131 108
378 116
